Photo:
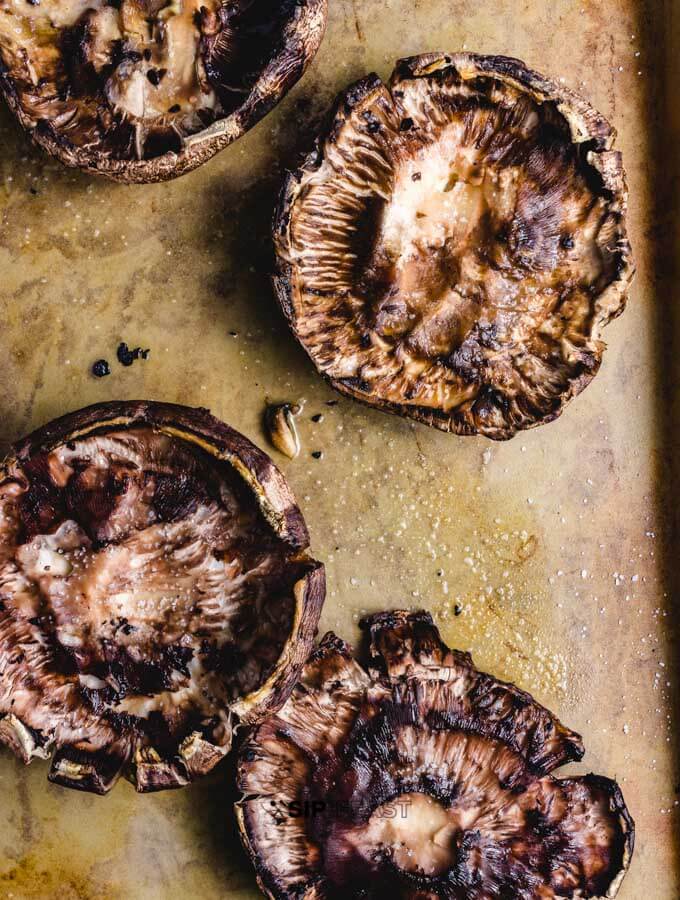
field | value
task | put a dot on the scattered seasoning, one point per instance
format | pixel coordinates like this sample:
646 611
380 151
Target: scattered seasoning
126 356
331 402
457 609
317 454
101 368
280 424
318 417
527 548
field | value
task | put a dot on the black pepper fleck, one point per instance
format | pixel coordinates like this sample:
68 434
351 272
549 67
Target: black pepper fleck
318 417
101 369
317 454
126 356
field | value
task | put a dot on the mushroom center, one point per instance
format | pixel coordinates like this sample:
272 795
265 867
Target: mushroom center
416 832
160 72
145 53
471 250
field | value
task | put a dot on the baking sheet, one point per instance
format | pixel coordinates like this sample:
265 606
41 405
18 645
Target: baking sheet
556 549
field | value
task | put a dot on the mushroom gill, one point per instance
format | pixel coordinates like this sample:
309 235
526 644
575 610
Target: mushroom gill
453 246
155 591
422 777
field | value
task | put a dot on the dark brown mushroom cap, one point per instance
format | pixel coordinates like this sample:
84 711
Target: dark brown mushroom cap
455 243
155 592
144 91
422 778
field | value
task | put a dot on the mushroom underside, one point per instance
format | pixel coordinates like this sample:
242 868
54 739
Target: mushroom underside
143 596
135 80
454 245
422 778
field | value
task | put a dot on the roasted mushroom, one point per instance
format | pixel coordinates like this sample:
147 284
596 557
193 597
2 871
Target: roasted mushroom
145 90
453 246
423 778
155 590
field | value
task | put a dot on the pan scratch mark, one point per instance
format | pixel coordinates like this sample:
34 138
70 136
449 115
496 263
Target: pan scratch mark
421 453
357 23
25 806
38 384
612 72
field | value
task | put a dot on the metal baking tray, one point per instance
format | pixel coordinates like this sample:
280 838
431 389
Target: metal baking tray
556 549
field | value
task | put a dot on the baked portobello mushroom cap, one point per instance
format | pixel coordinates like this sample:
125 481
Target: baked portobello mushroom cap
146 90
422 778
155 591
453 246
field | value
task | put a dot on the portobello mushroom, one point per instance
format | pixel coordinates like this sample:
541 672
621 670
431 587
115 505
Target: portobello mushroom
453 246
155 591
422 778
145 90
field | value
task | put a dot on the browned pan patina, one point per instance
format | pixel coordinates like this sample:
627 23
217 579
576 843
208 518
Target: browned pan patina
547 557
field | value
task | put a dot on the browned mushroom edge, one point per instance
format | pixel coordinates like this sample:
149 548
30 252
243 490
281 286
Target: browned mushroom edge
421 777
455 242
155 593
81 78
